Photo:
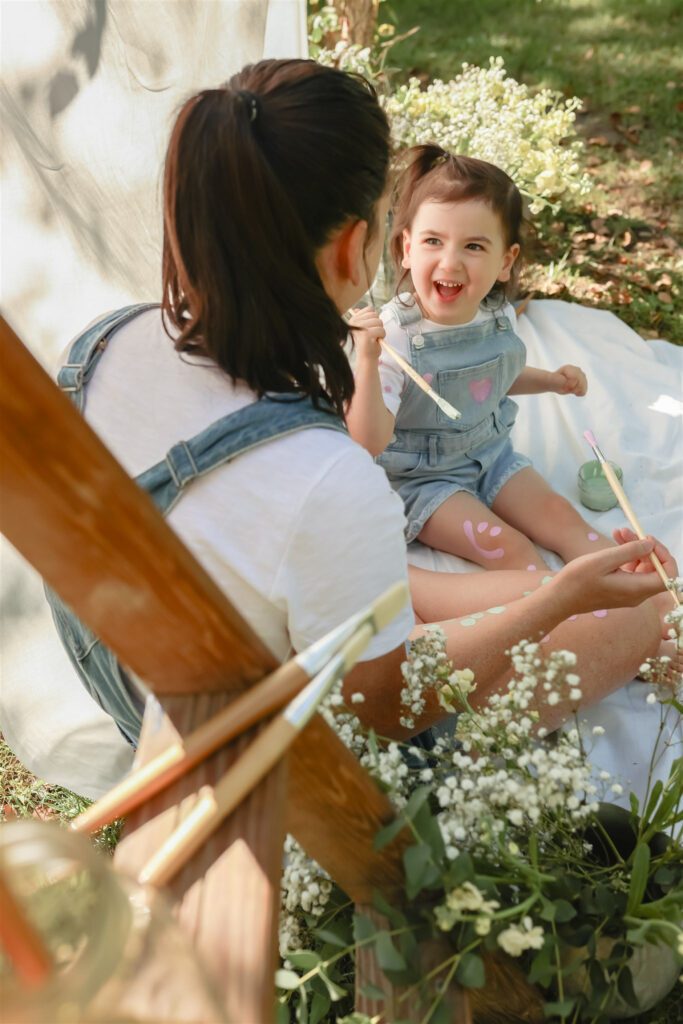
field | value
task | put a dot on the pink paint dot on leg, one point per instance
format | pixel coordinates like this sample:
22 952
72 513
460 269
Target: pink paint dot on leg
495 530
601 614
592 536
572 617
482 527
546 639
530 567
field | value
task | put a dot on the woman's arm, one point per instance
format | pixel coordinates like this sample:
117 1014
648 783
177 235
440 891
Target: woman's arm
609 647
369 421
568 380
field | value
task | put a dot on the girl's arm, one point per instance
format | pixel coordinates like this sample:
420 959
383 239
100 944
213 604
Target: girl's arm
369 421
568 380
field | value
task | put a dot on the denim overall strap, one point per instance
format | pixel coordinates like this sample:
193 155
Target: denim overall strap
110 684
86 350
232 435
404 314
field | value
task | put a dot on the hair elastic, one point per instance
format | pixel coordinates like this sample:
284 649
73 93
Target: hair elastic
252 102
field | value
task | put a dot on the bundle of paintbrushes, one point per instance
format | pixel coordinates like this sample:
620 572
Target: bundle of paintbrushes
300 684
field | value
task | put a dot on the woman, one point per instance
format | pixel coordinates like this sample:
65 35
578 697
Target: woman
275 196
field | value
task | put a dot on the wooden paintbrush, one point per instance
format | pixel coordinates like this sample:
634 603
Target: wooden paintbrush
627 510
269 746
445 406
21 942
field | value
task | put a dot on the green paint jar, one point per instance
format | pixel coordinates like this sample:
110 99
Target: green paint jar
594 488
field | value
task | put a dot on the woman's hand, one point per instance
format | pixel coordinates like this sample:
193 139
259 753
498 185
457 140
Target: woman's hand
612 577
625 536
368 331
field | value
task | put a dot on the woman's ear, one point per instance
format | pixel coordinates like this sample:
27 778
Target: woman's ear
405 262
508 260
350 249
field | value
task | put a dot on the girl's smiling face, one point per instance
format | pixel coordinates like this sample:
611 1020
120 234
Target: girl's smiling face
455 253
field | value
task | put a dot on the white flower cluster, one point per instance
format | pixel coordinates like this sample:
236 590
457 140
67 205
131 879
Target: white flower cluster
304 887
501 779
484 114
427 666
515 939
461 903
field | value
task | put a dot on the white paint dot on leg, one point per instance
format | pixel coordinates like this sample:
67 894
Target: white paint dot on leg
496 610
468 622
527 592
477 615
546 579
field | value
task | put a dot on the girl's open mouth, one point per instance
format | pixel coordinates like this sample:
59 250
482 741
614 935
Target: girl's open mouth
447 290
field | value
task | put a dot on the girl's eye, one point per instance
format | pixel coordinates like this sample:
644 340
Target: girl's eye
475 246
431 241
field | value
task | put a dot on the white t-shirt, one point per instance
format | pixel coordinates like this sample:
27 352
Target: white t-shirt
300 532
391 375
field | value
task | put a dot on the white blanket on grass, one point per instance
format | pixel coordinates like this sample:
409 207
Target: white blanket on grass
634 407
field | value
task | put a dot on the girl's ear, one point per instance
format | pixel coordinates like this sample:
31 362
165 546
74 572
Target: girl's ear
508 260
405 262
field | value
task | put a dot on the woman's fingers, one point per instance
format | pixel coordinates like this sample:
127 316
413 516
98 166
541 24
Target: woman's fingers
624 535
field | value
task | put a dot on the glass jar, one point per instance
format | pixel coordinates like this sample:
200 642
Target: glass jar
594 487
119 957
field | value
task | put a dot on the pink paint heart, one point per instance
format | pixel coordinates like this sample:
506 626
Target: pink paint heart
481 389
428 377
482 527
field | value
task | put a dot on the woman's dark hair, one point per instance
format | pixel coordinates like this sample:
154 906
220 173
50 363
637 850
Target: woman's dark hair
430 173
258 176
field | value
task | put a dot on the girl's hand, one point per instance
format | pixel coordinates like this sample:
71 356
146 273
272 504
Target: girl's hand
626 536
570 380
368 331
610 578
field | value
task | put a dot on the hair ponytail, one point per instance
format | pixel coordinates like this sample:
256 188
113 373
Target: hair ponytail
258 175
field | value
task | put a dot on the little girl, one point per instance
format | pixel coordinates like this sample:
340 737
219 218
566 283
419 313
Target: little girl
457 234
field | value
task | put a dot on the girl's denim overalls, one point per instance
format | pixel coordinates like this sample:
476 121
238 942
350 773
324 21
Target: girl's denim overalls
430 456
114 688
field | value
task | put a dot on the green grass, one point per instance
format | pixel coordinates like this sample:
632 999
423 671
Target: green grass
22 795
620 57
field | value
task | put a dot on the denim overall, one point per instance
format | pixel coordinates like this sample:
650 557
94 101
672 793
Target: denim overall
430 456
115 689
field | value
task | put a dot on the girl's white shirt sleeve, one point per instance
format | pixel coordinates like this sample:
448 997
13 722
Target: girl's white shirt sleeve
392 377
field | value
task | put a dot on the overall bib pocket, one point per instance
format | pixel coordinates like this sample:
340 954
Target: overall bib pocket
474 391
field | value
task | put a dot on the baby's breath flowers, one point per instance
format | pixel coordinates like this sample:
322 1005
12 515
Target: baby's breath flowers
483 113
507 830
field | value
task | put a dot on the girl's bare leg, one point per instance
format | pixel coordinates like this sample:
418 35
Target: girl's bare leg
464 526
528 503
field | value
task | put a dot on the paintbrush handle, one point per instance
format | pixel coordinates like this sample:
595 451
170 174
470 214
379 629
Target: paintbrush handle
216 804
635 525
269 695
410 370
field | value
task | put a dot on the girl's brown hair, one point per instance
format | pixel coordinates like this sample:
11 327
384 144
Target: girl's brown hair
428 172
258 176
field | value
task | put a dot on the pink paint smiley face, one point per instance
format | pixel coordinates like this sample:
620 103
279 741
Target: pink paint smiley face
481 389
